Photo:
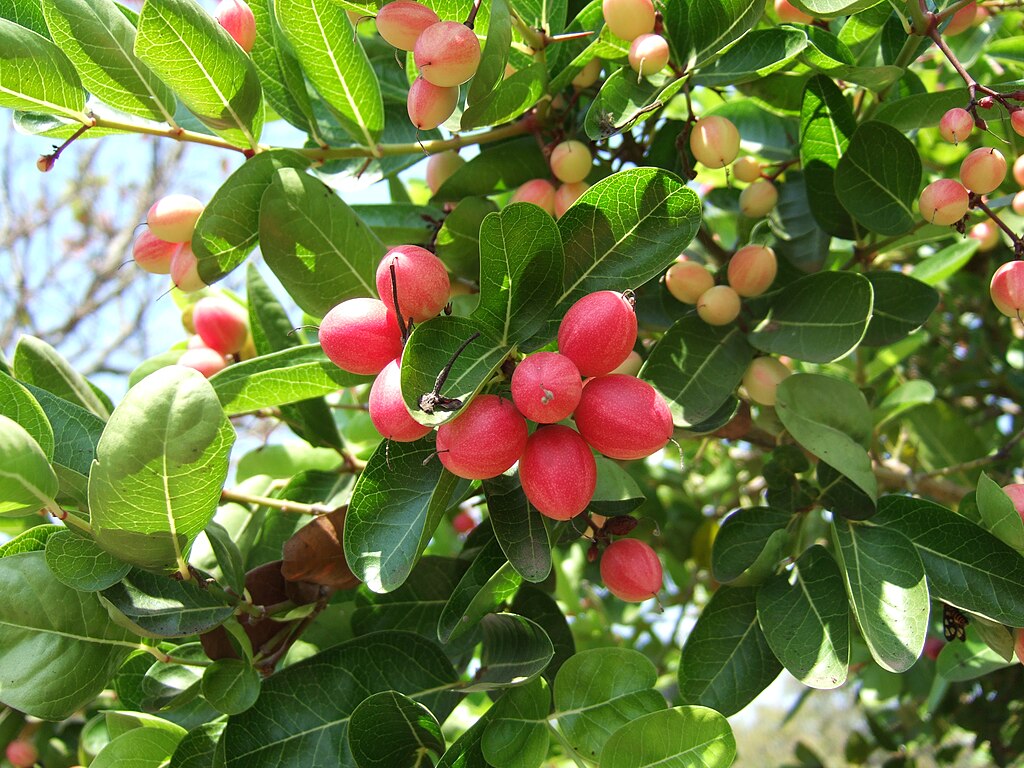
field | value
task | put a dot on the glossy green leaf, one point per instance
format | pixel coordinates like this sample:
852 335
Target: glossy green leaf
674 738
402 222
27 481
515 651
998 513
494 55
32 540
138 748
284 86
36 75
516 733
458 240
959 662
902 305
699 29
229 558
26 13
513 96
841 495
760 53
625 99
489 582
830 8
906 396
37 363
518 527
829 55
540 608
826 125
198 747
749 544
389 729
161 606
506 165
81 564
617 493
942 265
173 685
231 685
17 404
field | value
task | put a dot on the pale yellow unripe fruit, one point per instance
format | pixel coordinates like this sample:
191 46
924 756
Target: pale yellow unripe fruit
185 270
1018 204
173 218
571 161
714 141
758 199
943 202
752 269
631 365
719 305
628 19
401 22
648 54
588 75
447 53
746 169
987 235
1018 170
762 378
983 170
687 280
440 168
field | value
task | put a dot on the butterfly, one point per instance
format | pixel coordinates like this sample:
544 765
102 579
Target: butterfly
954 623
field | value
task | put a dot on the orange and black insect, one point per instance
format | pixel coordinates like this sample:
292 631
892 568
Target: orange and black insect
954 623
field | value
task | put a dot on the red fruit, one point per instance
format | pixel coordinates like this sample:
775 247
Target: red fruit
221 323
962 20
21 753
401 22
1016 493
185 270
558 472
1017 121
387 408
204 360
752 270
546 387
787 13
361 336
1018 646
447 53
173 218
1007 288
933 647
943 202
631 570
440 168
463 522
623 417
236 17
628 19
483 441
983 170
423 284
430 105
714 141
539 192
153 254
956 125
648 54
598 332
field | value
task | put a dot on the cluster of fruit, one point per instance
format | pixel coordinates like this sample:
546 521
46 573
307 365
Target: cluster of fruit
570 163
715 142
750 272
164 247
635 21
221 332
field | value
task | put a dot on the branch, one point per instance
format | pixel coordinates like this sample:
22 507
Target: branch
283 505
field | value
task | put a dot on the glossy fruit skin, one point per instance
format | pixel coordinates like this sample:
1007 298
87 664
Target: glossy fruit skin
758 199
588 75
762 379
943 202
623 417
237 18
631 570
719 305
746 169
688 280
714 141
423 283
540 192
571 161
361 336
1018 170
648 54
987 235
173 218
185 270
1016 493
983 170
752 270
430 105
447 53
401 22
628 19
956 125
203 359
387 407
21 753
153 254
788 13
558 472
222 324
1007 288
567 194
483 441
546 387
463 522
598 332
440 168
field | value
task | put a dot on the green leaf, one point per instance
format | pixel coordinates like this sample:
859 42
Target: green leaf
32 540
172 685
518 527
229 558
878 178
39 364
99 39
515 651
40 618
541 608
829 8
458 241
17 404
826 125
161 606
79 563
161 464
726 660
624 99
759 53
516 733
998 513
513 96
26 13
280 727
818 318
494 55
886 585
601 690
332 57
36 75
489 582
674 738
617 493
231 685
389 729
749 544
959 662
138 748
699 29
907 395
396 505
197 58
696 367
829 55
942 265
841 496
902 305
507 164
966 565
402 222
284 86
318 248
119 722
805 618
27 481
198 747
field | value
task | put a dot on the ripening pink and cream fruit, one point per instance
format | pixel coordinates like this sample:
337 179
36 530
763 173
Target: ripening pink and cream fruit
1016 493
447 53
571 161
588 75
1018 646
153 254
628 19
361 336
21 753
387 408
987 235
185 270
1018 170
598 332
567 194
687 281
719 305
237 18
203 359
401 22
540 192
623 417
440 168
429 105
943 202
631 365
747 169
423 284
558 472
788 13
546 387
648 54
483 441
222 324
752 270
1007 288
962 20
631 570
762 378
983 170
714 141
956 125
1017 121
1017 204
173 218
758 199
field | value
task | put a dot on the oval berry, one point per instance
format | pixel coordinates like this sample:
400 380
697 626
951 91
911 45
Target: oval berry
153 254
546 387
623 417
387 407
401 22
423 284
361 336
943 202
447 53
631 570
1007 288
598 332
173 218
483 441
222 324
558 472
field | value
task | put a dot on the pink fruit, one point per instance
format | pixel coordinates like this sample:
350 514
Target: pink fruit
153 254
956 125
571 161
688 280
237 18
719 305
483 441
203 359
983 170
22 753
387 407
623 417
423 284
987 235
539 192
789 14
1016 493
546 387
1018 646
1007 288
746 169
173 218
631 570
752 270
361 336
447 53
463 522
758 199
567 194
762 379
598 332
1018 203
648 54
440 168
558 472
714 141
933 647
1018 170
430 105
628 19
588 75
401 22
185 270
943 202
962 20
221 323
